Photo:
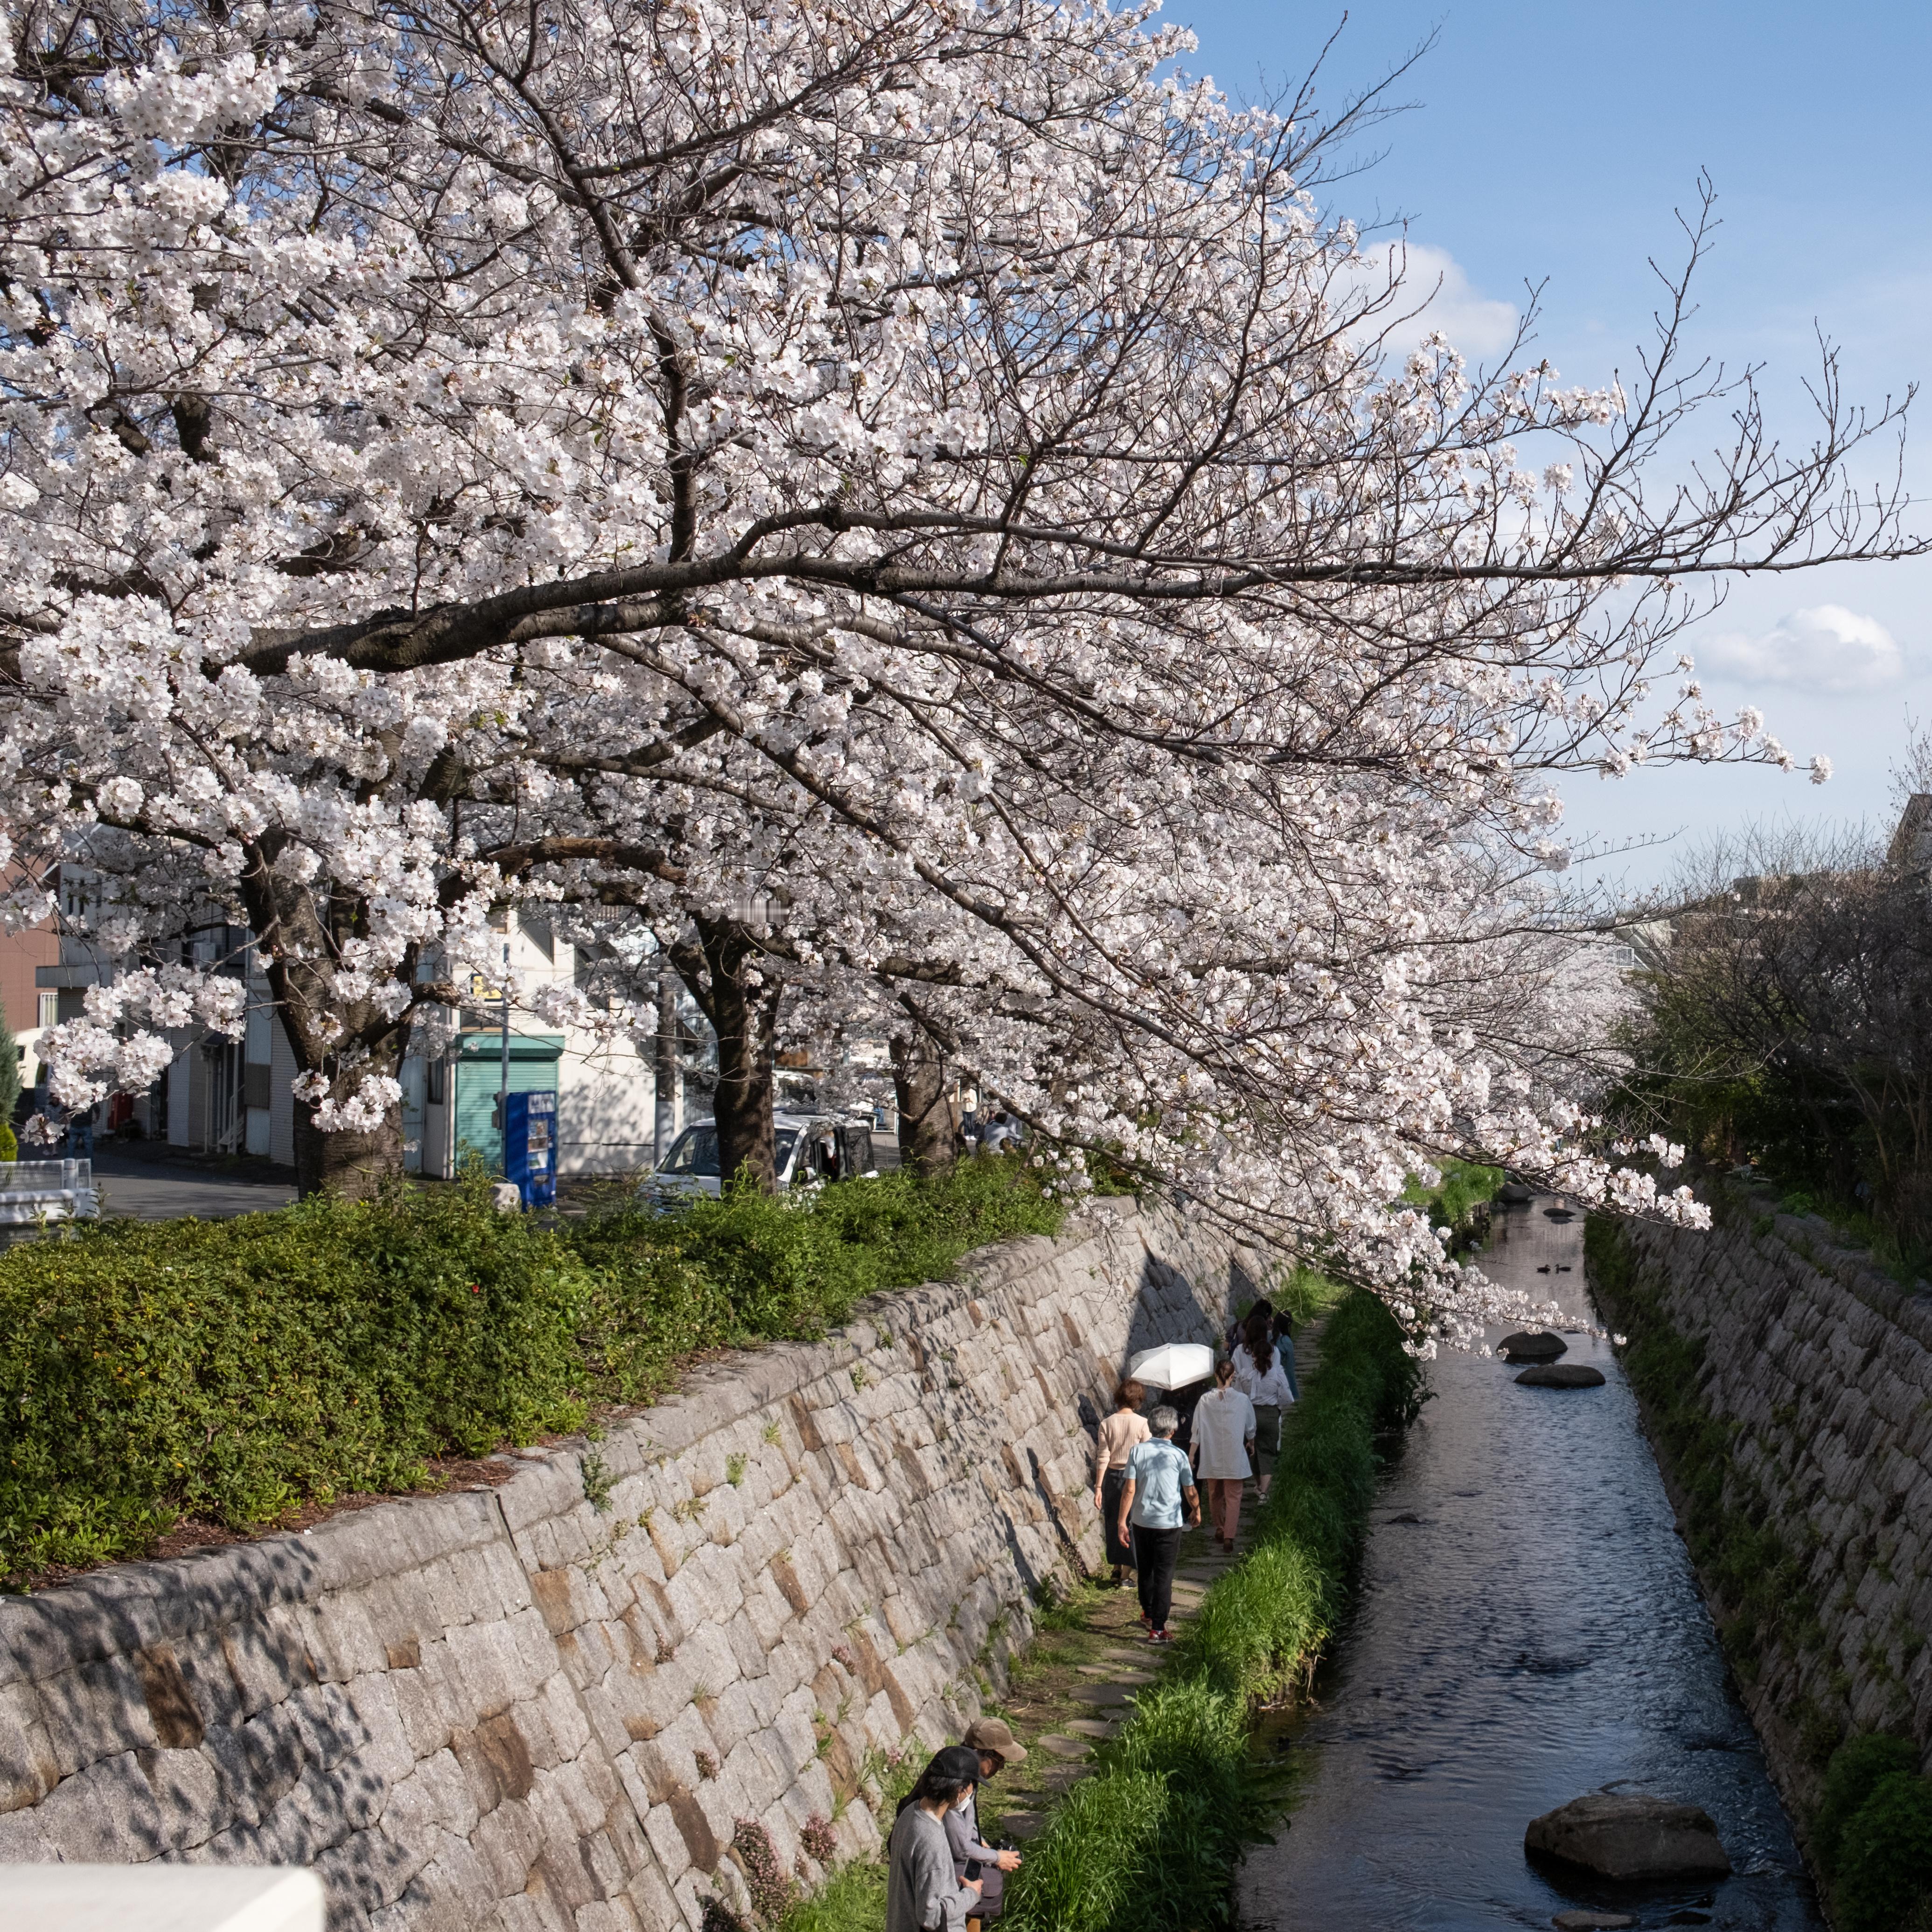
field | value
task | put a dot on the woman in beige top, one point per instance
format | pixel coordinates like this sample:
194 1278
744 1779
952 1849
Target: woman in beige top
1117 1436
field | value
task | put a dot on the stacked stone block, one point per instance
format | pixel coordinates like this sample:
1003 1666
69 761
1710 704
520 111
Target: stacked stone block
547 1706
1822 1365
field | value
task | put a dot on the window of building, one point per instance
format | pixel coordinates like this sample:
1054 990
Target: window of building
50 1009
434 1079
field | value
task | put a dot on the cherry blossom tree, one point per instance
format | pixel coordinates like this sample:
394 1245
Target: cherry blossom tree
912 502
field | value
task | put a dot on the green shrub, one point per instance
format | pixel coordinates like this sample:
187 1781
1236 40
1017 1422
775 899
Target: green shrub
1262 1621
1462 1187
233 1370
1884 1860
749 1268
1091 1871
1303 1294
9 1143
1857 1769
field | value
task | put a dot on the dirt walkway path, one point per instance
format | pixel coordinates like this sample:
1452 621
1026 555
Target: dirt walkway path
1073 1688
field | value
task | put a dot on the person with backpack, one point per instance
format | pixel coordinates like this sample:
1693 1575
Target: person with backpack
1157 1500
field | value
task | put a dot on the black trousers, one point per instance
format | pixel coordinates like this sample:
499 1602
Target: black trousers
1156 1552
1111 1484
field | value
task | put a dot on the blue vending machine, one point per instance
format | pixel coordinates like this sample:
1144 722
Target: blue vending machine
530 1146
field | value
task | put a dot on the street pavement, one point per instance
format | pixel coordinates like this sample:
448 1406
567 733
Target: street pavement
162 1189
151 1186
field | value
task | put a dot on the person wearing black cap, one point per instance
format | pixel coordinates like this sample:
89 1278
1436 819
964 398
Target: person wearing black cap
922 1893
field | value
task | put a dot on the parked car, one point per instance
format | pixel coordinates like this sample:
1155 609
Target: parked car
805 1147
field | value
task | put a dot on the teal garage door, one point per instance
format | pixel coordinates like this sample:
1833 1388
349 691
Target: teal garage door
478 1071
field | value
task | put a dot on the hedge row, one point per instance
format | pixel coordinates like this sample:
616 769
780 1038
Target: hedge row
232 1371
1149 1843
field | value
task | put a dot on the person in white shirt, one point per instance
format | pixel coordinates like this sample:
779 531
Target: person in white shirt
1224 1436
1259 1376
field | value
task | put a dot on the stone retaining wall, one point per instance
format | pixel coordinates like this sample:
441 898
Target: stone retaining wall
546 1706
1821 1366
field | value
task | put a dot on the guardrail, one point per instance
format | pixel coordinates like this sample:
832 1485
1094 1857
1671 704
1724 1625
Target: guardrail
32 1191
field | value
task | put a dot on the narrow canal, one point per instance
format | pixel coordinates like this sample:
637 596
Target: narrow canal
1529 1629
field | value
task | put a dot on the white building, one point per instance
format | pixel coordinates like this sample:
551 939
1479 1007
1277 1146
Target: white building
606 1090
235 1096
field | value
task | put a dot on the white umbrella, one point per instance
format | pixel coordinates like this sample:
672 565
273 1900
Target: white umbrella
1173 1365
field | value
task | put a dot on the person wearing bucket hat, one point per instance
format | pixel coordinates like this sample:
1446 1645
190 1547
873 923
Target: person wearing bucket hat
923 1891
993 1745
994 1740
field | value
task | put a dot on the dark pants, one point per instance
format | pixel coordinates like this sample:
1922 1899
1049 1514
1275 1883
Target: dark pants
1156 1552
1111 1483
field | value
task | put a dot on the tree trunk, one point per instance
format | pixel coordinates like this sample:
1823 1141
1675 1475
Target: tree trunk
929 1133
350 1165
745 1019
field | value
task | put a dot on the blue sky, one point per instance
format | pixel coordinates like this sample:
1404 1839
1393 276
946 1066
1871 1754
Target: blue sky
1552 143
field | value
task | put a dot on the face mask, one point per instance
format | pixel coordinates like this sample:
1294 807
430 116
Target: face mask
965 1799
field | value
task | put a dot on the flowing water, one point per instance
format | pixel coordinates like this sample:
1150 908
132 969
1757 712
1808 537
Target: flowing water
1529 1629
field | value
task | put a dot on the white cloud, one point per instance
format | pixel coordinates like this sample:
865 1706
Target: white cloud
1432 283
1827 649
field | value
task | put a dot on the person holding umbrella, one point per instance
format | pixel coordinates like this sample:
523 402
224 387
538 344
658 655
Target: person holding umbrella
1158 1497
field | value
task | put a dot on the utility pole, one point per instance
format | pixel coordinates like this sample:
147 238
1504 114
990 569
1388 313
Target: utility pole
503 1076
664 1128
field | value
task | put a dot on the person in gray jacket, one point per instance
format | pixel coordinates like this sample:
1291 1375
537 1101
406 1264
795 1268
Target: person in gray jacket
972 1857
922 1893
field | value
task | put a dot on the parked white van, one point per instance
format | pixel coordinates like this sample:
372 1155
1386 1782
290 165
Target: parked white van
806 1147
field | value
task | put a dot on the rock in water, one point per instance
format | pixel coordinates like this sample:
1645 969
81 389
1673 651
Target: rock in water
1524 1347
1630 1835
1561 1375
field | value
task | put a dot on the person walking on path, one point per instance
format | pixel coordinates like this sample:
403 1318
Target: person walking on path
998 1748
1118 1437
923 1893
1259 1375
1284 1339
1224 1438
1158 1496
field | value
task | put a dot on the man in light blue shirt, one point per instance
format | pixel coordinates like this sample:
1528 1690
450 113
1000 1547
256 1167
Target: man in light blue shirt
1157 1498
